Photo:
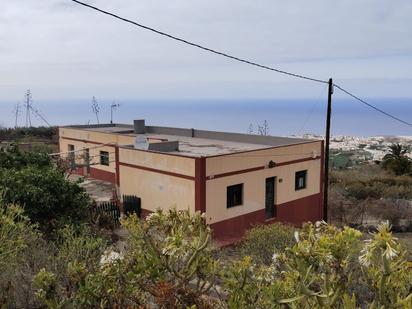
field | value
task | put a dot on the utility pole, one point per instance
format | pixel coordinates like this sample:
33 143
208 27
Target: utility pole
28 107
17 113
326 176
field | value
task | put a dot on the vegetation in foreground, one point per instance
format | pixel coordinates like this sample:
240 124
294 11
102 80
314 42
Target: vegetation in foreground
60 260
169 263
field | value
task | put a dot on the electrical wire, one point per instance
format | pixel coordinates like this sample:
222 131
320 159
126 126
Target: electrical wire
237 58
200 46
83 149
315 104
372 106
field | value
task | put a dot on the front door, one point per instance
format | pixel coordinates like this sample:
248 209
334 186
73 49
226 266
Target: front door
270 207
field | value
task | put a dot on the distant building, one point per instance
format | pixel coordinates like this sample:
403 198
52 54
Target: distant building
237 180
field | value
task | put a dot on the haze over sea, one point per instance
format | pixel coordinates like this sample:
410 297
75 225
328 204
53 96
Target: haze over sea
285 117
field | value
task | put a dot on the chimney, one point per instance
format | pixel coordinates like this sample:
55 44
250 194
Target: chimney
139 126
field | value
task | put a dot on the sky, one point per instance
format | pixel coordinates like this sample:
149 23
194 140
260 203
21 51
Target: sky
63 51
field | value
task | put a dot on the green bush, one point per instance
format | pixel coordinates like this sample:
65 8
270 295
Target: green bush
17 236
376 188
169 264
12 134
261 241
45 194
12 157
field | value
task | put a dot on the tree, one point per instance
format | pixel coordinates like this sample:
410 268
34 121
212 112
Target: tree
397 160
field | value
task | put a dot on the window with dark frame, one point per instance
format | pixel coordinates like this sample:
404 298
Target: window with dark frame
234 195
104 158
300 180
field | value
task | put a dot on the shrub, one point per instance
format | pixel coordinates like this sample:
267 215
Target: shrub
17 234
12 157
261 241
11 134
326 268
46 196
74 279
172 258
15 229
168 265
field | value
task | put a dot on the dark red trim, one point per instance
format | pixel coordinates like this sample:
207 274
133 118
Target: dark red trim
154 170
295 212
102 175
253 169
263 149
87 141
200 184
116 156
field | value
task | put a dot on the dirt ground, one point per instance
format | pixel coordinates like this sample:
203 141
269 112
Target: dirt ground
100 191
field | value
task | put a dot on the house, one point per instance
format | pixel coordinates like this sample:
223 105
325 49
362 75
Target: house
237 180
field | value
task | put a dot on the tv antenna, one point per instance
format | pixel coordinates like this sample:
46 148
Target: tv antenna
113 107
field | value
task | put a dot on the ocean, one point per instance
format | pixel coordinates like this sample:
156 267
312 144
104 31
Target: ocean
285 117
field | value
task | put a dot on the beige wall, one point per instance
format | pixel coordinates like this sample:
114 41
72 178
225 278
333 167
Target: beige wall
254 182
160 161
97 137
157 190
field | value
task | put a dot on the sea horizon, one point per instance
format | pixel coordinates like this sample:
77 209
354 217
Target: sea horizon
286 117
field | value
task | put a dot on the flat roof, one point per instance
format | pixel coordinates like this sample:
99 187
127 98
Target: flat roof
197 143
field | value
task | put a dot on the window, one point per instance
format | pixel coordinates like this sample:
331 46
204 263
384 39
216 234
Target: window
234 195
104 158
300 180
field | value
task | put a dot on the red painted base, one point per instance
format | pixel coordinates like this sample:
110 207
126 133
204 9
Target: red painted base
145 213
102 175
78 171
296 212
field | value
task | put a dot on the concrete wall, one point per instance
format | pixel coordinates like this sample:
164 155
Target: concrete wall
250 168
160 180
82 139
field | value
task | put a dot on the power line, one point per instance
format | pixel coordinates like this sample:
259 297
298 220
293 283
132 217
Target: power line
372 106
39 115
238 59
200 46
83 149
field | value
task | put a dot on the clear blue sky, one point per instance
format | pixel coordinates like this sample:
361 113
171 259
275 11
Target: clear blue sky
63 51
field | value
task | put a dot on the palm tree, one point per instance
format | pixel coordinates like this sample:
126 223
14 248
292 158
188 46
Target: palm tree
397 160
